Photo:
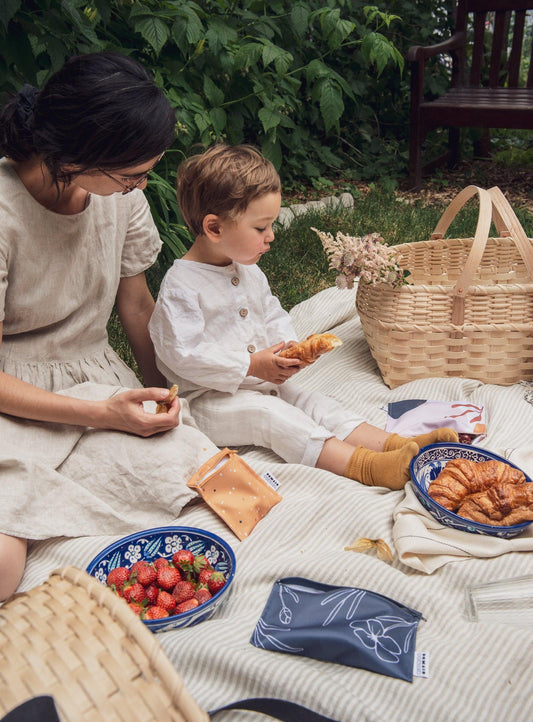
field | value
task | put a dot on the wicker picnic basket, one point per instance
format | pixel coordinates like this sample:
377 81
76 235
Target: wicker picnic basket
73 639
468 308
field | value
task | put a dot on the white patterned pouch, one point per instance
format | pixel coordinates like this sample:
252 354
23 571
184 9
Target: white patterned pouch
419 416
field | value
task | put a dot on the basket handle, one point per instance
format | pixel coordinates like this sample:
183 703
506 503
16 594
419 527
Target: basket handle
503 209
478 246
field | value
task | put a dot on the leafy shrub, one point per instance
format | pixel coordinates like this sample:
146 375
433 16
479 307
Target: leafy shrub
319 85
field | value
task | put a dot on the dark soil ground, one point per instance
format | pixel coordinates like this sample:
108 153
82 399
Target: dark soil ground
445 183
516 183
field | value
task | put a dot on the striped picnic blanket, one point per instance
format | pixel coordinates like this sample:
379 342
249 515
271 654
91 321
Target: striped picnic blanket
476 671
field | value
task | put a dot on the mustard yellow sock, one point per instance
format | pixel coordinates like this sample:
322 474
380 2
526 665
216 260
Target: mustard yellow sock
382 468
395 441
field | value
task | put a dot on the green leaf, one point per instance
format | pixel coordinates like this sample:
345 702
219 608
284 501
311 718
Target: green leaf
270 117
282 59
316 69
18 51
335 29
194 30
202 121
377 49
271 149
7 9
212 92
331 105
219 34
57 53
300 18
247 55
153 30
218 119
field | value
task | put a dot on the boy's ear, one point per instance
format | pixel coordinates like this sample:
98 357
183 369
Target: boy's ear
211 227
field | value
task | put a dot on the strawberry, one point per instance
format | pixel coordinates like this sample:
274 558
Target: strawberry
187 605
161 562
146 575
156 613
183 558
136 608
152 590
183 590
141 563
200 562
215 582
204 575
134 593
168 577
118 577
166 600
202 595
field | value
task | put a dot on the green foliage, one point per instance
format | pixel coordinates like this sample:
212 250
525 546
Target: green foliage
319 85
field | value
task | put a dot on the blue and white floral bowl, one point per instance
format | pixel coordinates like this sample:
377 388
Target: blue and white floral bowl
164 542
427 465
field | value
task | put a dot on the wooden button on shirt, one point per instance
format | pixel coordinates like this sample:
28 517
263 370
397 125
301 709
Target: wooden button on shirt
251 348
243 312
235 280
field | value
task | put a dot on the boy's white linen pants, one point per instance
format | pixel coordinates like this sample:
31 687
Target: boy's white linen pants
288 419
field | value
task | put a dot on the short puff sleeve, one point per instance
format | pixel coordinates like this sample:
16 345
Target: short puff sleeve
142 243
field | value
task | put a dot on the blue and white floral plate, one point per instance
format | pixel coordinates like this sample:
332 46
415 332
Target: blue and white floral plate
164 542
427 465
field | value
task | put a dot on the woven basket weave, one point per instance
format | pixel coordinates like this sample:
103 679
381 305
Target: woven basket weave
468 309
75 640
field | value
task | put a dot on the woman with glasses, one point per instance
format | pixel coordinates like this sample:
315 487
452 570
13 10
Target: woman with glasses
76 237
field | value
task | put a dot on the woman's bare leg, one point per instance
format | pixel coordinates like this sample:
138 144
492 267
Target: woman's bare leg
13 553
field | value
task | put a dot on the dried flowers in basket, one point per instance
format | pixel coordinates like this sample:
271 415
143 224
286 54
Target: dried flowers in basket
367 258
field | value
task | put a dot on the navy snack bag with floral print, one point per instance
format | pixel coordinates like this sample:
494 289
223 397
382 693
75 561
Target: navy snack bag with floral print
344 625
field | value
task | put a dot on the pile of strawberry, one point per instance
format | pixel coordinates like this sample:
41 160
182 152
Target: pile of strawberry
162 588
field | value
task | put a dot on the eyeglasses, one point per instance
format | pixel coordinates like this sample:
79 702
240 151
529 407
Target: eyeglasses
127 188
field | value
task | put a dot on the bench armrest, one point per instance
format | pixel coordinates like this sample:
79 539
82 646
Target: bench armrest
420 53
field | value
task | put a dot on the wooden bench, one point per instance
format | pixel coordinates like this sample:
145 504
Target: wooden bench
488 86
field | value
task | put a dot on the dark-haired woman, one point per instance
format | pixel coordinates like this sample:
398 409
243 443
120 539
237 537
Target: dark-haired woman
76 236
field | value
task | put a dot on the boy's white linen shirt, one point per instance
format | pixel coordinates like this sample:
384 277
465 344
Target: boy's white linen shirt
207 320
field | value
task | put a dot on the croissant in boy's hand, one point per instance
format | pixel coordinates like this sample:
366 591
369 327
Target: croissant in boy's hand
314 346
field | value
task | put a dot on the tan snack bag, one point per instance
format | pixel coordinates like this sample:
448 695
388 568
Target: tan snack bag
234 491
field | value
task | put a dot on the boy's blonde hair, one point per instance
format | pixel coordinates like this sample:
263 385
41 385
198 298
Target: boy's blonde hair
223 180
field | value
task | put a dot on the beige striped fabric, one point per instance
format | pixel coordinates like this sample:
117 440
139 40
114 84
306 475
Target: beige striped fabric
477 671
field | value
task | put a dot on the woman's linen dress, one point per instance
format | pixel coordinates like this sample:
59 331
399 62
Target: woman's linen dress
59 276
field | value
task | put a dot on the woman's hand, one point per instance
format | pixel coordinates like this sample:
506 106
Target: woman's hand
122 412
125 412
267 365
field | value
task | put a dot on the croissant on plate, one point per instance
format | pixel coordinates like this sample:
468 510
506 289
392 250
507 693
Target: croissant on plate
504 504
461 478
314 346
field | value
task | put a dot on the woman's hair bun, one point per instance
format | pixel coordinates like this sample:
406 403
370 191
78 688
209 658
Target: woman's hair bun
16 123
26 99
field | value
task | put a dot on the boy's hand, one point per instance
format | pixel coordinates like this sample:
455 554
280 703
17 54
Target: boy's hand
268 366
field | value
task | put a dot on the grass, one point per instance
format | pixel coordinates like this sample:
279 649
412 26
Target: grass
297 266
